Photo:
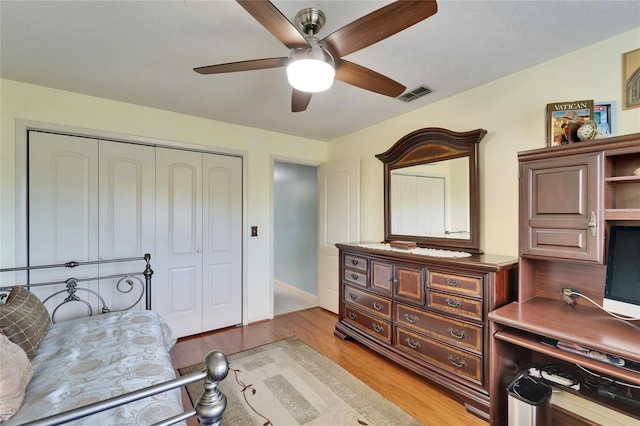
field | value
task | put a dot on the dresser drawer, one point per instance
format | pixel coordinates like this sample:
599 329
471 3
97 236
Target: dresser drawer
374 326
469 286
355 262
355 277
454 304
457 333
444 356
377 305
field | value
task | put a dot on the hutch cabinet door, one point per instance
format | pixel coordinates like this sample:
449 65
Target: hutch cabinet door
561 208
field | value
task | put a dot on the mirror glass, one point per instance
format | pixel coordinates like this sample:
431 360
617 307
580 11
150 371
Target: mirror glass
431 194
431 200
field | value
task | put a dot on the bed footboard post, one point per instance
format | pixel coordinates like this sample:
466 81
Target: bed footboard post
212 402
148 272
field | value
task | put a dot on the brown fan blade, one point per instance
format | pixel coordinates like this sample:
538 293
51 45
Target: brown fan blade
256 64
367 79
300 100
273 20
377 26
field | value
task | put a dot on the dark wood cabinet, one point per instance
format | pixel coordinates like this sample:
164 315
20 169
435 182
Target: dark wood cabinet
569 198
561 207
429 314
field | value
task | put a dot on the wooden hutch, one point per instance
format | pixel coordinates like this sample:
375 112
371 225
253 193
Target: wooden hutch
570 196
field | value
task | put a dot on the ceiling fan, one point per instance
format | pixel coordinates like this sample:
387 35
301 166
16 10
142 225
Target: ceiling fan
313 64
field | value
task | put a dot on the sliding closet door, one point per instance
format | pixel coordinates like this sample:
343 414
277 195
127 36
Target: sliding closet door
222 241
126 214
178 269
89 199
63 211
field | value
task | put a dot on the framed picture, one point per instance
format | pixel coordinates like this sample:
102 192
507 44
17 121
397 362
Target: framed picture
604 114
565 118
631 79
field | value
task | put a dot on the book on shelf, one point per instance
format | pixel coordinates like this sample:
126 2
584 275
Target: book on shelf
563 120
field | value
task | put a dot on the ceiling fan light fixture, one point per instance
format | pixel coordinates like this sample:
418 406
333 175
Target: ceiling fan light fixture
311 70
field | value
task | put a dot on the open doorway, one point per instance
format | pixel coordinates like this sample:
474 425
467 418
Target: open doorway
295 189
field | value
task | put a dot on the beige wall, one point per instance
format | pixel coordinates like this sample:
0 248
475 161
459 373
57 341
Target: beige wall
29 102
512 109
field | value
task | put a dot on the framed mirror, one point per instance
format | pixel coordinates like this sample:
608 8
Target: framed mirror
431 191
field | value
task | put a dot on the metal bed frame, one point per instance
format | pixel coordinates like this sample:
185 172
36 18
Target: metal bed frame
211 404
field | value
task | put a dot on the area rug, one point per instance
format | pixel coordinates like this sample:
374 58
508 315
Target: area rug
287 383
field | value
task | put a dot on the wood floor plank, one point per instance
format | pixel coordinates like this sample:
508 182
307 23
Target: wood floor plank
425 401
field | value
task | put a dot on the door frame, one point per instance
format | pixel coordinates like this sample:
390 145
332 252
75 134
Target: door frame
21 196
272 242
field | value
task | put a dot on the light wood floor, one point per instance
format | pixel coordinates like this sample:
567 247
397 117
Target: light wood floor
424 401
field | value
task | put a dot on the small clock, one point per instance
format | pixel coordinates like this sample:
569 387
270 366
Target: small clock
588 131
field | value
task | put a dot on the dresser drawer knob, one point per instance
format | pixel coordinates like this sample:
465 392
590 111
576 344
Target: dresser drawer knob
457 362
354 276
353 296
378 306
412 343
453 282
457 333
378 328
453 303
411 318
354 262
352 315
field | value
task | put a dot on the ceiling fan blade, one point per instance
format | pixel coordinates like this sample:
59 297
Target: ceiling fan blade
273 20
256 64
300 100
367 79
377 26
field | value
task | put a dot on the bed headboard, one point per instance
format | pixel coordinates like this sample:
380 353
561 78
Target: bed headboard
136 285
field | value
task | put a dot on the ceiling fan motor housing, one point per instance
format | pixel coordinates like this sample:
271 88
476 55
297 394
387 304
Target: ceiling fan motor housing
310 21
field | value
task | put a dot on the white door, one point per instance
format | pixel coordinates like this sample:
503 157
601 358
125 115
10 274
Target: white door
177 291
89 199
338 222
127 183
222 241
198 271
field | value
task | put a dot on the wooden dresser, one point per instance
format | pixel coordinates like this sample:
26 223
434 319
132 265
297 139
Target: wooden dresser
426 313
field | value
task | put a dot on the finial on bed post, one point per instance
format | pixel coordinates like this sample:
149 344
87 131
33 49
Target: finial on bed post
148 272
212 402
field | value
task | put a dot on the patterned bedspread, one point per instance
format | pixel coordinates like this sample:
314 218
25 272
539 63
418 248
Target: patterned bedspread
90 359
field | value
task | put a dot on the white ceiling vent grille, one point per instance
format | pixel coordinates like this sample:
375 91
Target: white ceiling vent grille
414 94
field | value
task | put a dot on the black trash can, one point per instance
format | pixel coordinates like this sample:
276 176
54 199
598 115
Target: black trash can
528 401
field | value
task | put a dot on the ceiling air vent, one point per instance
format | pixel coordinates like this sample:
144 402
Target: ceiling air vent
414 94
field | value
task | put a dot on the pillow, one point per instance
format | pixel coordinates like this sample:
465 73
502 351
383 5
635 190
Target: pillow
15 373
24 319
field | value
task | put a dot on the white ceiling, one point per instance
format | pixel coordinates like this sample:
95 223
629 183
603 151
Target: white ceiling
143 52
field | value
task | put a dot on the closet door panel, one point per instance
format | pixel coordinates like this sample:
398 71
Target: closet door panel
178 278
63 210
127 215
222 238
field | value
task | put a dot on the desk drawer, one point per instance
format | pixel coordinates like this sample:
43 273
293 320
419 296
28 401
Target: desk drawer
355 277
377 305
448 358
469 286
453 304
355 262
374 326
457 333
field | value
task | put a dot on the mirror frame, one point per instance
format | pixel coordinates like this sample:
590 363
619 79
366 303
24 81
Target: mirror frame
430 145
